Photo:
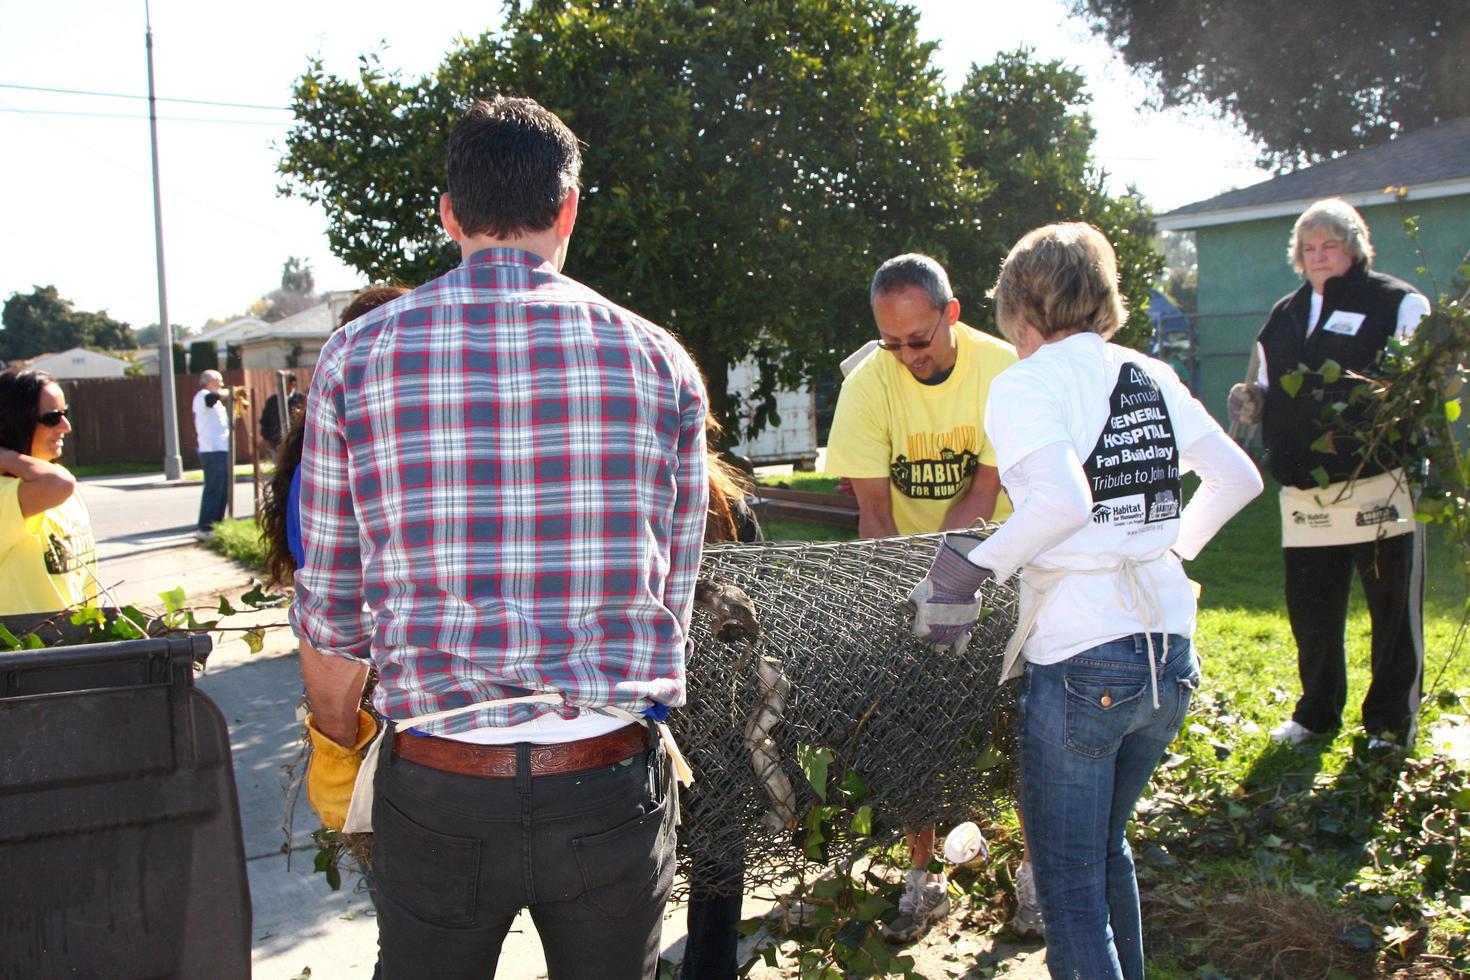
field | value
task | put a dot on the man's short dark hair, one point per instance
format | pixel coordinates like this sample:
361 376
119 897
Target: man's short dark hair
912 270
510 165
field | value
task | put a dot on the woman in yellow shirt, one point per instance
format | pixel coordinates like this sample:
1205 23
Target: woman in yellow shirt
47 553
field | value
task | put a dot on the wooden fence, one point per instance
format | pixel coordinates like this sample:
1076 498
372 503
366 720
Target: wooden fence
120 420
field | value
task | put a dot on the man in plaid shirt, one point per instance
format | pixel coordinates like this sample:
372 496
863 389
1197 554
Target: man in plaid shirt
504 494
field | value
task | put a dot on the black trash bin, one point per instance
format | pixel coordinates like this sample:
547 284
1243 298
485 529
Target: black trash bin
120 845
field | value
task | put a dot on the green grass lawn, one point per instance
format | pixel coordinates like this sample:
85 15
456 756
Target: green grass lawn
239 539
84 470
810 482
126 469
1359 863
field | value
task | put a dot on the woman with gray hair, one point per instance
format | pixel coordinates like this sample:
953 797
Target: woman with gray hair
1363 517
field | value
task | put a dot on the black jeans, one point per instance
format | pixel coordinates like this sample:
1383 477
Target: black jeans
455 858
1318 581
710 950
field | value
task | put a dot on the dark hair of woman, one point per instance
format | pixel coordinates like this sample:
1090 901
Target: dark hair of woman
20 396
280 566
728 486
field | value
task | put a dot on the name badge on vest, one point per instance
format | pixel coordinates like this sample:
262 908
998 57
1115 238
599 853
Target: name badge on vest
1344 323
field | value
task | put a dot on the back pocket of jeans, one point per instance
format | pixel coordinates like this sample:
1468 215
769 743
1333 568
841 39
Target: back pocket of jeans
1099 711
629 866
432 875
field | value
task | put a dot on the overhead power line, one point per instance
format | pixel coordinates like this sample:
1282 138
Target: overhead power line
131 115
126 95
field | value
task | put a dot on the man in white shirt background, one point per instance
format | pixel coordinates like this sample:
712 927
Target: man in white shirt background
212 430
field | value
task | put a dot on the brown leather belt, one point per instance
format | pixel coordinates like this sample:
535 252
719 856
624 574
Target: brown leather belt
499 761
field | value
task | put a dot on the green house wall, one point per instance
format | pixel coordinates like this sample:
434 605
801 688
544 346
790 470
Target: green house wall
1243 272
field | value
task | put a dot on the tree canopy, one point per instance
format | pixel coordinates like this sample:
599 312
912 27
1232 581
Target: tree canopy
1025 133
1307 80
42 322
747 166
297 292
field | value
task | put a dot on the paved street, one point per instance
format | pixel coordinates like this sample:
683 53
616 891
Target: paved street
139 511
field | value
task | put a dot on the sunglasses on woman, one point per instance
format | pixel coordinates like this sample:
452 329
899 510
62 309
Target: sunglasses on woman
52 419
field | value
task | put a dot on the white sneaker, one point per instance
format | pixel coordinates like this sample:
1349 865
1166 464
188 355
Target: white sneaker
203 535
1291 733
925 901
1027 922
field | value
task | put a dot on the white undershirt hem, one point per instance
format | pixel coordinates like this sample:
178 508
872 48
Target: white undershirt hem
548 729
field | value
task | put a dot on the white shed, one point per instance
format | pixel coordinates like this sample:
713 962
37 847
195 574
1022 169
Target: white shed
794 441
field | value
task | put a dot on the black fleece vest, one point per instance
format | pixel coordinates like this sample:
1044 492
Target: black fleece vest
1290 424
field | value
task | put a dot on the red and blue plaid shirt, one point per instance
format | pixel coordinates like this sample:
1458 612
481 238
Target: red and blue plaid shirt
504 491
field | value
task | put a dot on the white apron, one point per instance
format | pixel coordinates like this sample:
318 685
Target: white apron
1371 508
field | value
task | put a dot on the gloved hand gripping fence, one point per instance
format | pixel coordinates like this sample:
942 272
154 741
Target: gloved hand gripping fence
945 605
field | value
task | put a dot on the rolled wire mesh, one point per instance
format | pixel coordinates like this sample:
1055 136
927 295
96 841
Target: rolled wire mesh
927 731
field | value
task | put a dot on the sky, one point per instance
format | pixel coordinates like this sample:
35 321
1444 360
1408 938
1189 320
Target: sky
77 208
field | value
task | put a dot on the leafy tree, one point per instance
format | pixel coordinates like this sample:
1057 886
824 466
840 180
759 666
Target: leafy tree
1025 133
747 165
1181 269
42 322
148 336
203 356
296 276
1307 80
296 292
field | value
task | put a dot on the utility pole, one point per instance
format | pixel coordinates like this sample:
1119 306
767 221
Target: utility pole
173 465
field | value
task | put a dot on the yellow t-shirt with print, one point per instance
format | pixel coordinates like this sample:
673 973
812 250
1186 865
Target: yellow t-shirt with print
926 439
48 560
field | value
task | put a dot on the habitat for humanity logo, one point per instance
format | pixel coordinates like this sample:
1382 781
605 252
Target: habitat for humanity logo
1311 520
1387 514
1164 507
1101 513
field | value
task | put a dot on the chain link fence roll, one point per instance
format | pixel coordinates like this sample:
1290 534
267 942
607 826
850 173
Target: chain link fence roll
927 732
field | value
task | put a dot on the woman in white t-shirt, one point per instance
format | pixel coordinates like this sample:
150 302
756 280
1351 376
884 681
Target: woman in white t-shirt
1091 441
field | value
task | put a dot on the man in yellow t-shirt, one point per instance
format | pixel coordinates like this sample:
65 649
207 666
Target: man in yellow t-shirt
909 430
909 433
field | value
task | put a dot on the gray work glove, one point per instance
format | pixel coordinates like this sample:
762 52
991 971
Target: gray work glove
1246 400
946 603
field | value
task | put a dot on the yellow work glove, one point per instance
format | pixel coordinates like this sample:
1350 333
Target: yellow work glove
332 772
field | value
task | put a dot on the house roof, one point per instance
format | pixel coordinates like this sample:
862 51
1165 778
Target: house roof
230 331
315 323
38 362
1427 163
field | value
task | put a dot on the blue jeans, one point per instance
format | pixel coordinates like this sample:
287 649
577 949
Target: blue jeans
1090 740
216 496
